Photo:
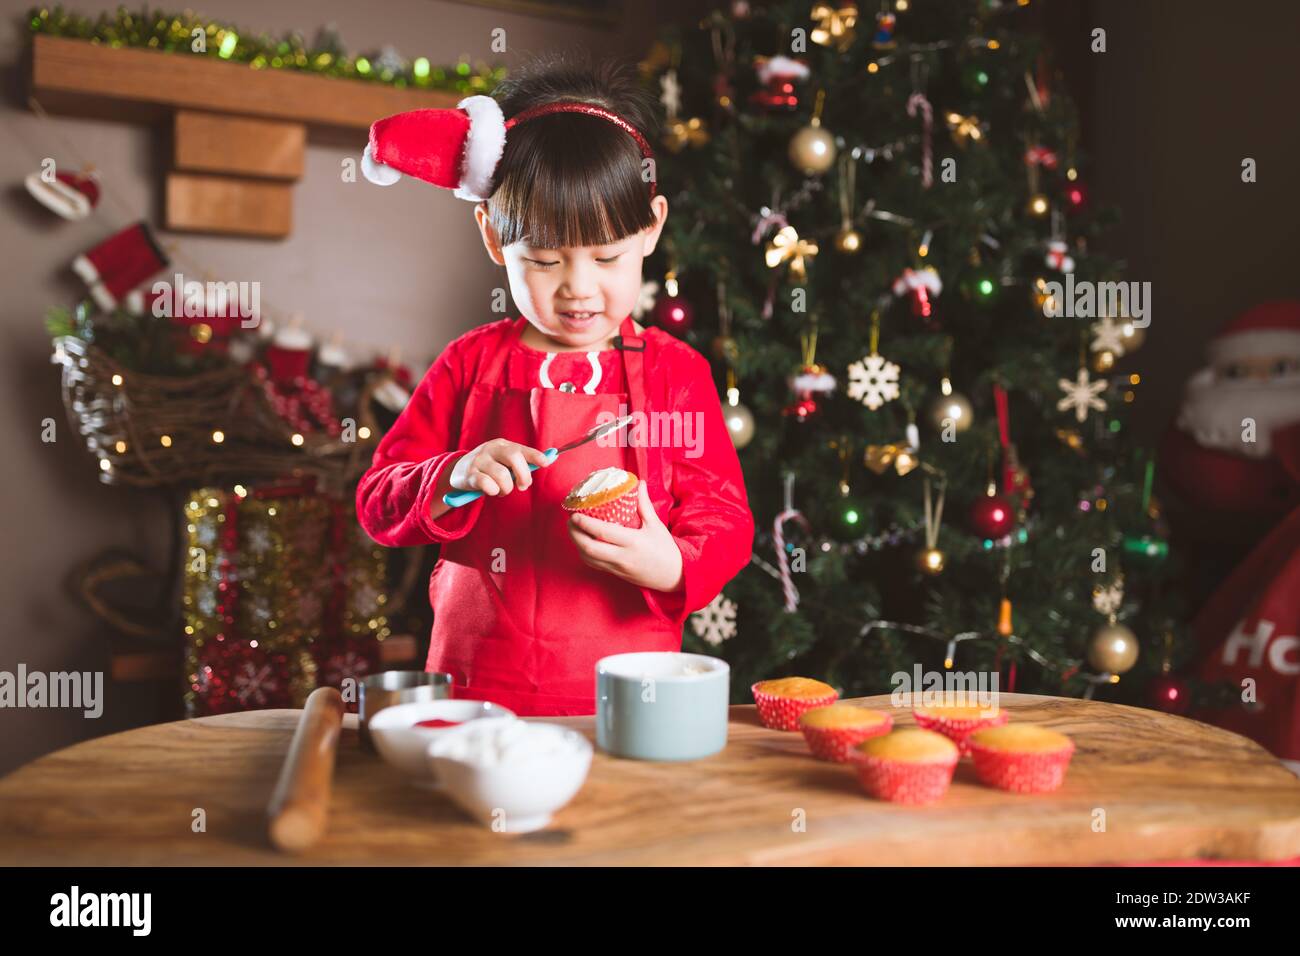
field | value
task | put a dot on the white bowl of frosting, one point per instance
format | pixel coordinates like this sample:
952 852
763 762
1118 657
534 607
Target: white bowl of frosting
511 774
402 737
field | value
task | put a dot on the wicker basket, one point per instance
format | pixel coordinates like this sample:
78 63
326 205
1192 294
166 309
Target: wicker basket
151 431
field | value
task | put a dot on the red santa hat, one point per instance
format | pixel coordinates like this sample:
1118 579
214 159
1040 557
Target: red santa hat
459 148
456 149
782 68
1269 330
71 195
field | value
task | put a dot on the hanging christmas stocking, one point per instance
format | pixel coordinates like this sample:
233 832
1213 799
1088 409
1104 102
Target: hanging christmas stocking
121 262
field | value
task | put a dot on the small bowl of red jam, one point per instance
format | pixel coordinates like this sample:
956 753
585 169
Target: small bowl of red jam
402 733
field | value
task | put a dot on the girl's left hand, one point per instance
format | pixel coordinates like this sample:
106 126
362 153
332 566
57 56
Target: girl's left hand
646 556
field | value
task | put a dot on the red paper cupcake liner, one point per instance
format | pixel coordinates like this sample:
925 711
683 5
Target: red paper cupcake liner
902 781
1021 772
836 743
624 510
959 730
783 713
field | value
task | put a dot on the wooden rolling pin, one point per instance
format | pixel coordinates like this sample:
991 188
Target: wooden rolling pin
300 802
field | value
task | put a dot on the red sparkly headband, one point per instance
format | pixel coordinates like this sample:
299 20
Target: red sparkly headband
591 109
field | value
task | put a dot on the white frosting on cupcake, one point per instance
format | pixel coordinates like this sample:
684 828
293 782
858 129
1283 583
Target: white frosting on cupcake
602 480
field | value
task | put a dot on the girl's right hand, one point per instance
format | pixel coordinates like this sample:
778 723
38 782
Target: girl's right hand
497 467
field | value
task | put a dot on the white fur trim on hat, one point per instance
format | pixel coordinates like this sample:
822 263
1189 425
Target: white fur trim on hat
57 196
85 269
1256 343
484 144
781 65
377 172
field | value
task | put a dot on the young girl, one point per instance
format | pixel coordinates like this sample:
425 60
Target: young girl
527 599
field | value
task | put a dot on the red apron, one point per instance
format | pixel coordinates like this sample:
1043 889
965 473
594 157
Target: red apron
519 619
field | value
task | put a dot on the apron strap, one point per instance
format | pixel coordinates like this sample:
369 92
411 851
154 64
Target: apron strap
633 349
492 370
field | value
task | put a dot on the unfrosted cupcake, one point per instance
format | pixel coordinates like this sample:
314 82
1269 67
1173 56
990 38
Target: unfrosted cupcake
783 701
609 494
834 730
958 722
1024 758
907 766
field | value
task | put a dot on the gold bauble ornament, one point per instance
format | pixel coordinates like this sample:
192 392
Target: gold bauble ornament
685 132
848 240
1042 297
740 424
1113 649
812 150
955 407
725 349
1038 205
1071 439
930 561
1133 336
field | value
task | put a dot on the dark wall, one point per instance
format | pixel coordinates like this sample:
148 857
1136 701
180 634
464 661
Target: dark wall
1184 92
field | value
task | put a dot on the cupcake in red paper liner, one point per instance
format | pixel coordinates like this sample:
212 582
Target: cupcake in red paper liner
609 494
782 702
833 731
958 722
1022 758
907 766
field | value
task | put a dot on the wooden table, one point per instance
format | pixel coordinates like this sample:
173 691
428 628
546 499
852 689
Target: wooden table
1167 788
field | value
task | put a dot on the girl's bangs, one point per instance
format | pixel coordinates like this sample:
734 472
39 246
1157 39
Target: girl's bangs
582 195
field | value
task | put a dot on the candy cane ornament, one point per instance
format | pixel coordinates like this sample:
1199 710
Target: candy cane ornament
918 102
789 513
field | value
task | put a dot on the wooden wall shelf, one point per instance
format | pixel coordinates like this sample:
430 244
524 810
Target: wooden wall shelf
197 99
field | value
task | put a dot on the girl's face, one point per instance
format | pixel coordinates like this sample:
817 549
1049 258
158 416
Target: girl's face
578 295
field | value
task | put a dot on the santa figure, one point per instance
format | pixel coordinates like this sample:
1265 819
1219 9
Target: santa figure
1235 445
1233 455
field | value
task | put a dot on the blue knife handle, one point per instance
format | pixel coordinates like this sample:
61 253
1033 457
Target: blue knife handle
457 498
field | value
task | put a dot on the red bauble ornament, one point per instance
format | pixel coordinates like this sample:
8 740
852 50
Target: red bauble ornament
673 314
802 409
1076 197
1169 693
992 517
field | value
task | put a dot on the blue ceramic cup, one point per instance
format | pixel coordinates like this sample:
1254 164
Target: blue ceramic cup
660 705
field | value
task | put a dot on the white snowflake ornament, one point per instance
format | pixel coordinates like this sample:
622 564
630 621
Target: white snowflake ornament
716 622
1107 600
1082 395
1108 336
258 541
671 95
645 300
873 381
252 683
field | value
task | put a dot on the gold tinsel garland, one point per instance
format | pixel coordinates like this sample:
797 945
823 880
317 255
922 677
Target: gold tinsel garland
283 590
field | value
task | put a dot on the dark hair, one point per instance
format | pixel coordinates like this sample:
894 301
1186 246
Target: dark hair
569 179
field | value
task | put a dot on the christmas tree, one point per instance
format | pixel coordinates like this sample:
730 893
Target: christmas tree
873 221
